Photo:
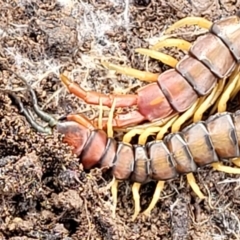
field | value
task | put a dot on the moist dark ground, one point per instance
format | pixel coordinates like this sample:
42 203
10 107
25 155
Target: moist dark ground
44 193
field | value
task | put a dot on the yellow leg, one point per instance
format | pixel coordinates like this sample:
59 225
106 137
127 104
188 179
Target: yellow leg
208 102
110 119
146 133
100 113
192 182
220 167
165 128
144 126
173 42
136 198
114 188
164 58
128 136
236 90
222 105
141 75
201 22
156 196
184 117
222 86
236 161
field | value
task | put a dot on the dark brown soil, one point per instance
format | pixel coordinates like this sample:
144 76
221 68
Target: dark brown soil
44 193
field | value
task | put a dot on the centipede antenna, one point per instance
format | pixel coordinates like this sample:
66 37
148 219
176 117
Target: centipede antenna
43 115
46 117
26 112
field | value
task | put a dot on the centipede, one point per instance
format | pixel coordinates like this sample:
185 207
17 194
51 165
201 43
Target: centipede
207 75
181 153
196 82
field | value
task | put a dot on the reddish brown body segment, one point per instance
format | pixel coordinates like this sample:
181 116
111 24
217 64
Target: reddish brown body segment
179 153
212 57
177 90
198 76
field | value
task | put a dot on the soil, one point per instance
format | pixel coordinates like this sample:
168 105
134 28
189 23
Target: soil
45 194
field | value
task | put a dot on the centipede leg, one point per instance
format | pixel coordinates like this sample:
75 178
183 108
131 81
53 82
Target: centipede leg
165 128
184 117
79 119
199 21
146 133
158 126
100 118
172 42
136 197
192 182
136 186
114 186
110 120
141 75
220 167
236 90
175 127
114 189
222 105
156 196
229 91
164 58
209 101
128 136
236 161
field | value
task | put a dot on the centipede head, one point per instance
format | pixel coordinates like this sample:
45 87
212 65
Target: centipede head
74 134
